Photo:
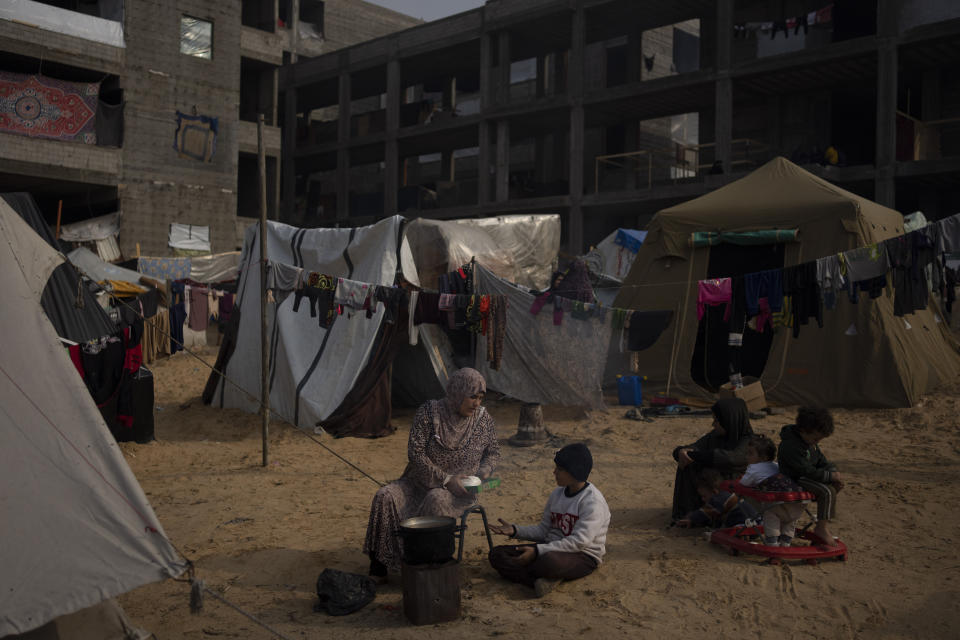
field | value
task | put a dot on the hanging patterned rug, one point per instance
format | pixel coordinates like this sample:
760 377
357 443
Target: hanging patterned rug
42 107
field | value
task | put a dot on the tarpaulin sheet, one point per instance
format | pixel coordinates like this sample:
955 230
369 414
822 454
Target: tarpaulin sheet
219 267
520 248
542 362
97 270
93 229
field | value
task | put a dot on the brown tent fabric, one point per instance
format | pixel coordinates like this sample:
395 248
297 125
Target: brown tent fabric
880 363
366 410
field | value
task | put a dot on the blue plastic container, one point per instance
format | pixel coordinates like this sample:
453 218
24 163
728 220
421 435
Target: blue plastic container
630 390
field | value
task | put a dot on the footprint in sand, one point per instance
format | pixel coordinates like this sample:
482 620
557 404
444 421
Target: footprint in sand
785 582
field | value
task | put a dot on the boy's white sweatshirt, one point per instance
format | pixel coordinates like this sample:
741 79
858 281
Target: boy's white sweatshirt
578 523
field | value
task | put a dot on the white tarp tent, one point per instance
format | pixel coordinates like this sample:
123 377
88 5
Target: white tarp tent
77 528
311 369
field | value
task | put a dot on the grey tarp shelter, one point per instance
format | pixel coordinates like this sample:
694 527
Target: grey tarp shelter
863 356
519 248
77 527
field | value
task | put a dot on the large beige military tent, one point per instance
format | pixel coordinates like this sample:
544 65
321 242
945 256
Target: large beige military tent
77 527
863 356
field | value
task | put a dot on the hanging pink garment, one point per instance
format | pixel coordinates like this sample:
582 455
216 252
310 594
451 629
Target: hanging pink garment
713 292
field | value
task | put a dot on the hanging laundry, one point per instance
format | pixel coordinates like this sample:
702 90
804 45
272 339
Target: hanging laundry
392 298
178 314
199 317
865 263
764 284
713 292
353 294
830 279
320 290
949 232
283 279
427 309
909 286
226 307
800 282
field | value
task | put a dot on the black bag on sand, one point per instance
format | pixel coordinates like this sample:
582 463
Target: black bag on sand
341 593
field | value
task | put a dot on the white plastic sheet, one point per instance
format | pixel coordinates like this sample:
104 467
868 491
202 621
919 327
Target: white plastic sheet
71 23
520 248
189 236
97 228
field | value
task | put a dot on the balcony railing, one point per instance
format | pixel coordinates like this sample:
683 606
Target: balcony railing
646 168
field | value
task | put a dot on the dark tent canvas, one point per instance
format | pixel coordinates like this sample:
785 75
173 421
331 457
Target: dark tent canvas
863 356
71 308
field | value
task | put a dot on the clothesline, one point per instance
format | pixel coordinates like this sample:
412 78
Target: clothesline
288 278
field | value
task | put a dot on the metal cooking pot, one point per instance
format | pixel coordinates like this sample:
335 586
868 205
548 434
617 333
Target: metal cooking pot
429 539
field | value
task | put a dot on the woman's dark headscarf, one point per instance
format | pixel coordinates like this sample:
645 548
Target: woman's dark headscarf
734 417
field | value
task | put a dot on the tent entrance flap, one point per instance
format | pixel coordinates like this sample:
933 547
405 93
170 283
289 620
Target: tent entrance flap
713 358
743 238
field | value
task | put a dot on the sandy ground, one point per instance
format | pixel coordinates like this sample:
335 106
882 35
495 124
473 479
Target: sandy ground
261 536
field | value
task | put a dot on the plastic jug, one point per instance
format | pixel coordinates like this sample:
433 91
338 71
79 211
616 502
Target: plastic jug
630 390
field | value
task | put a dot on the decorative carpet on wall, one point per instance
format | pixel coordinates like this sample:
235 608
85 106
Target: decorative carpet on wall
196 137
41 107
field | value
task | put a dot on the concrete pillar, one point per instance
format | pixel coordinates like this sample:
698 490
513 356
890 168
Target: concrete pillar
269 80
447 171
723 114
634 55
503 161
289 147
930 109
483 163
886 140
294 27
577 123
391 176
541 75
343 142
449 94
503 68
483 132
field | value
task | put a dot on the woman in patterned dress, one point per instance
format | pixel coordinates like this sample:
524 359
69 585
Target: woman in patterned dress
450 438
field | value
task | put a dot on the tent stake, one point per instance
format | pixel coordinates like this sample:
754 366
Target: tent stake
264 356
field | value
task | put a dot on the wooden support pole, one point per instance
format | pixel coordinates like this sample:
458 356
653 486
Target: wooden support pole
59 213
264 346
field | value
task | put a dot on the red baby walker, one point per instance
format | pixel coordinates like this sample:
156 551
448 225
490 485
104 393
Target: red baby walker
748 538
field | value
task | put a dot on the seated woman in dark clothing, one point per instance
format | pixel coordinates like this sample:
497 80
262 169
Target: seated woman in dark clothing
450 439
724 449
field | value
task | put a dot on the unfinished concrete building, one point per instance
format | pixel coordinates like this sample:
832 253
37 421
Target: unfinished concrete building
606 111
170 93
